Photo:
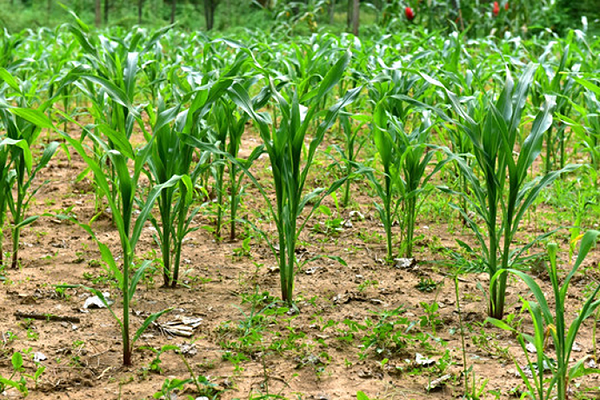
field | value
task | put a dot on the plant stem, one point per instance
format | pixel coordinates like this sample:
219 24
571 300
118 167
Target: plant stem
388 214
462 334
234 199
183 210
548 166
125 333
219 188
410 225
18 217
166 236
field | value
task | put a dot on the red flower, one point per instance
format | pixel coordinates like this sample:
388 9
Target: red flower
496 9
410 15
506 6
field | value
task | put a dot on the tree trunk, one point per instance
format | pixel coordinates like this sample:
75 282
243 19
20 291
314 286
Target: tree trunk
331 11
106 5
207 7
355 16
140 6
210 6
98 18
173 9
349 15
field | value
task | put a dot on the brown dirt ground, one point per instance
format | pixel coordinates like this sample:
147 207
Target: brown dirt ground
84 359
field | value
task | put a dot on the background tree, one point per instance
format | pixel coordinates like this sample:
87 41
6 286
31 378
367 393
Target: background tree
140 10
353 16
210 6
98 13
331 11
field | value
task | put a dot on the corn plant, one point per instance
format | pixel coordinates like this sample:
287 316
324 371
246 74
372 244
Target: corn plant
23 126
108 78
546 323
231 124
285 146
563 86
221 130
494 128
587 127
172 156
120 152
353 143
404 157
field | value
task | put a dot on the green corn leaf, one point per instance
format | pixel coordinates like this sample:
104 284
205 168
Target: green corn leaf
535 289
588 85
520 95
47 155
156 36
24 146
109 259
10 80
147 322
330 80
139 273
119 140
129 74
147 207
532 146
34 116
500 324
381 137
114 92
27 221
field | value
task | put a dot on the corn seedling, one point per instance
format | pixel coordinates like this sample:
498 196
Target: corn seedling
23 126
285 146
122 213
172 156
353 143
232 125
546 324
495 130
404 158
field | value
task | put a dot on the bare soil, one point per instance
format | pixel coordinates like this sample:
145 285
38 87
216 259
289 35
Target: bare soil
312 354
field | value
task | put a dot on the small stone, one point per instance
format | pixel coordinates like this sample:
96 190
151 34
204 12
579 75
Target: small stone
365 374
405 263
531 348
437 384
356 216
424 361
38 357
96 302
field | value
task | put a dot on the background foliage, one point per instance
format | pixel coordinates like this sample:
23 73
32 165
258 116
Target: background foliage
526 17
